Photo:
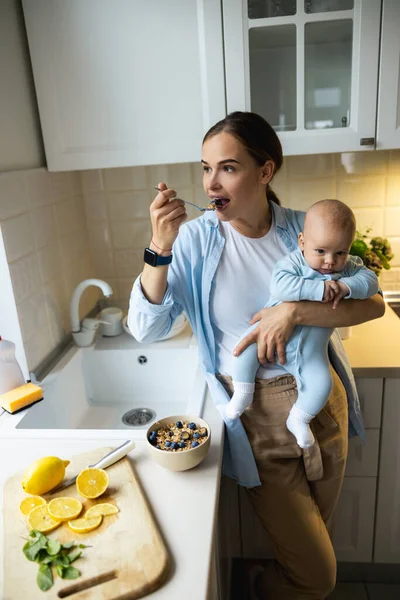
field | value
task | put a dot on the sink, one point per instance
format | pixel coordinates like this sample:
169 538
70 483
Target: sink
393 300
115 389
396 307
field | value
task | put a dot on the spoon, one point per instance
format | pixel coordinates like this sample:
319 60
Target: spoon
191 203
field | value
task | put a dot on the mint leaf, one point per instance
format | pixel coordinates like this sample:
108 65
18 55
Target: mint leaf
44 578
70 573
74 554
32 548
53 547
60 570
68 545
61 559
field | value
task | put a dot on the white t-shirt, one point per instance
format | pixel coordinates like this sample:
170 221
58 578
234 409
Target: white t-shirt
240 289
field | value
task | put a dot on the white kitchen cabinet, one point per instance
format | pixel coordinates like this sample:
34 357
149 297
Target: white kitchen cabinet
125 82
387 536
309 67
388 126
354 520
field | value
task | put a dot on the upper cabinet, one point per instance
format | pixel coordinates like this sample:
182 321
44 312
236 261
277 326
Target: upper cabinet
310 67
125 82
388 126
133 83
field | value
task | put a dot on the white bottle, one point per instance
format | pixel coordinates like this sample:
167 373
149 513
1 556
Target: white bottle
11 375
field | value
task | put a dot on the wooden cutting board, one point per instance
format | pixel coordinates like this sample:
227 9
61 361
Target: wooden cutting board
128 558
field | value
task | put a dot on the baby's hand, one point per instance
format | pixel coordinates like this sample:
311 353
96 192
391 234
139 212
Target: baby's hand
330 290
341 293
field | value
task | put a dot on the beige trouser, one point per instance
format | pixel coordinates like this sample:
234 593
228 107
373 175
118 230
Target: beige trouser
300 488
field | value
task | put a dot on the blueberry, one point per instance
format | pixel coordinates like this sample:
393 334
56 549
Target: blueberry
196 435
179 424
170 433
159 447
192 426
203 431
181 444
174 446
185 435
194 444
167 444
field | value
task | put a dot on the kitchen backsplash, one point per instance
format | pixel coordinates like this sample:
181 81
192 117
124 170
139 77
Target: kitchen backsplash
61 228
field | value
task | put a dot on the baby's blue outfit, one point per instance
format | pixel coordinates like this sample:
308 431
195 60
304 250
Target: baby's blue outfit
307 350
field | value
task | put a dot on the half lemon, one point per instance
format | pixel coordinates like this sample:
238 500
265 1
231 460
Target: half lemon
92 483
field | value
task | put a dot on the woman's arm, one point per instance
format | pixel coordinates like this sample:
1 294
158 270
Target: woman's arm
276 324
348 312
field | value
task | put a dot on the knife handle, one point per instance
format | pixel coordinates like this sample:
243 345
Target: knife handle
115 455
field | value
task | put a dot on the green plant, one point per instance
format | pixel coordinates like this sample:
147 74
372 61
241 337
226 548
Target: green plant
375 254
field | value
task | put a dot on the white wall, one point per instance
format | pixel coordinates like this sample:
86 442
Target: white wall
21 144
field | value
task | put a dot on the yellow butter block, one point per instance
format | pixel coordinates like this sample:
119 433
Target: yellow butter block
21 397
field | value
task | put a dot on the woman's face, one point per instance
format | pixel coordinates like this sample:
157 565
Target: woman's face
232 176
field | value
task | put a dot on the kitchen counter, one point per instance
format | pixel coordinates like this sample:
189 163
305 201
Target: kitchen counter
184 504
374 347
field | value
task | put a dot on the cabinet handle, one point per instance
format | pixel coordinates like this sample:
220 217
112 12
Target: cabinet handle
367 141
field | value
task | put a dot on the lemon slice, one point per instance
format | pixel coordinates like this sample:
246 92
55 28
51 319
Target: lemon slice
64 508
40 519
29 503
92 483
101 509
85 525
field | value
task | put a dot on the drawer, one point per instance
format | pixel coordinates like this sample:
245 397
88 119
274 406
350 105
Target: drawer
370 391
362 460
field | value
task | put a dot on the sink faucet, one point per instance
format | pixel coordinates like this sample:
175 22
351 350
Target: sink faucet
84 333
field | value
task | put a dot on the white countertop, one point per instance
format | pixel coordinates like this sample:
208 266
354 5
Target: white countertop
182 502
374 347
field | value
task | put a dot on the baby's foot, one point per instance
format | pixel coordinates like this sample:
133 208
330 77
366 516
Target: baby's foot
298 424
241 399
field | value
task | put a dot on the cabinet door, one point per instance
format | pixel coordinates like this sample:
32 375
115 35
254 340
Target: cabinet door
125 82
387 536
354 520
309 67
388 130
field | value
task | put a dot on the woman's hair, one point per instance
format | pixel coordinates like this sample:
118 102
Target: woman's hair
257 136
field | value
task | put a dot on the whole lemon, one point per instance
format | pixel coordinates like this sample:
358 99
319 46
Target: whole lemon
44 474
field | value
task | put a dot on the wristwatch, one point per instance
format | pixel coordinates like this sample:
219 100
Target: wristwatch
155 260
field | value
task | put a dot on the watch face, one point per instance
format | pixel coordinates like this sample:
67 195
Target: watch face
150 257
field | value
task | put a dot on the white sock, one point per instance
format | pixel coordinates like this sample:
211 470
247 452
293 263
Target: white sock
241 399
298 424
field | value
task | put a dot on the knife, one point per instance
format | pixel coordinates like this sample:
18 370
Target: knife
109 459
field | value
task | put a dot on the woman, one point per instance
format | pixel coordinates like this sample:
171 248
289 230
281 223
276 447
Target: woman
219 275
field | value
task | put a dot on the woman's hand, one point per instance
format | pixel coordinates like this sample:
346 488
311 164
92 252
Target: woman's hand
274 329
167 213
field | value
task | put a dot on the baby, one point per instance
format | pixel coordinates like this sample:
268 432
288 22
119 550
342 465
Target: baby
321 270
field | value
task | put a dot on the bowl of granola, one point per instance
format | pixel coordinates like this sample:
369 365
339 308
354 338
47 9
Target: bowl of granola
179 442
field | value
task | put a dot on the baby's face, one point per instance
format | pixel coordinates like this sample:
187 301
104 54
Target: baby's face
325 247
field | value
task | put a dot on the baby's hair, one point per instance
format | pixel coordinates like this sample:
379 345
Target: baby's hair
337 212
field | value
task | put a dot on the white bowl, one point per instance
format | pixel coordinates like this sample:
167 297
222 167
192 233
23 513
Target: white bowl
179 461
177 327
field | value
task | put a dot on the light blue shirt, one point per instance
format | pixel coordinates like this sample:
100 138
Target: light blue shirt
293 279
196 254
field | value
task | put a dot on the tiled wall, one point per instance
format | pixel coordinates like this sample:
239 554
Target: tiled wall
117 202
61 228
43 221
